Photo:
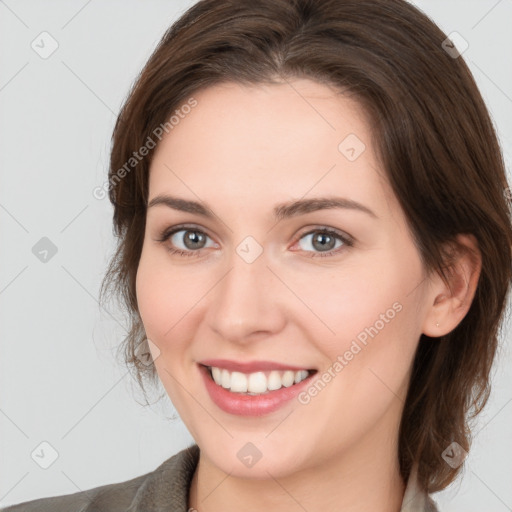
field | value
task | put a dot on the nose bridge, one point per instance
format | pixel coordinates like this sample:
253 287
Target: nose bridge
243 303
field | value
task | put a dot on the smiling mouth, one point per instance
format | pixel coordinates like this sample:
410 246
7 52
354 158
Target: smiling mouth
257 383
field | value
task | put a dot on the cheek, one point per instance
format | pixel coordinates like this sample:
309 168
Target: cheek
167 297
348 302
165 309
373 326
378 327
155 295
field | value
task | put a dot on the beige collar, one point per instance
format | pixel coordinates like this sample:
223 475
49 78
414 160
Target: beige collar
415 498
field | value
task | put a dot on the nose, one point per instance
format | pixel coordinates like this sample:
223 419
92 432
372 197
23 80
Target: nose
247 303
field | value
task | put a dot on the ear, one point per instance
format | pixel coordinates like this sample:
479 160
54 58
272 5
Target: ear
449 302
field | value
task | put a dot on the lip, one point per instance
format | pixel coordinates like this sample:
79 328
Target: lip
250 366
250 405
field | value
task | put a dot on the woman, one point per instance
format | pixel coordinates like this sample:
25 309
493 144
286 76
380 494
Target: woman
315 247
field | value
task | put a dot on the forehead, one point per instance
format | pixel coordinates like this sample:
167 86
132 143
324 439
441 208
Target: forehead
277 141
252 115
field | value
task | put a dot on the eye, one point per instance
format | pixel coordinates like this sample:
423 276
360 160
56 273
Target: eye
191 240
324 240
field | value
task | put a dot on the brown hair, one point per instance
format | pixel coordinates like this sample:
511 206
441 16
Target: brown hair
433 135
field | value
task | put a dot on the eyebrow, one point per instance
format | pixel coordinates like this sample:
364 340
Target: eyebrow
281 211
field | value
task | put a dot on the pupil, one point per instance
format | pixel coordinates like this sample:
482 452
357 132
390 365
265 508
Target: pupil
323 237
193 237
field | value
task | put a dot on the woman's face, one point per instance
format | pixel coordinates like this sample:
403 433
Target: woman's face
260 282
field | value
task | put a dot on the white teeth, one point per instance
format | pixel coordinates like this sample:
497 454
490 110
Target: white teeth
288 378
216 374
239 382
225 379
257 382
274 380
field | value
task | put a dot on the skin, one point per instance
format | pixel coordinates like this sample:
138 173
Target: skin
242 150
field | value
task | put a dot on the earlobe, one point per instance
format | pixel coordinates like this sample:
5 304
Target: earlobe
452 299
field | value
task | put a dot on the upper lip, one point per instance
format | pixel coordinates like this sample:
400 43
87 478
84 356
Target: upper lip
249 366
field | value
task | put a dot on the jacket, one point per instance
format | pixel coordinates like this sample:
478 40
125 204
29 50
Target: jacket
164 490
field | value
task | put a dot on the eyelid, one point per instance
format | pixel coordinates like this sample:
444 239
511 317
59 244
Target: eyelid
168 232
327 229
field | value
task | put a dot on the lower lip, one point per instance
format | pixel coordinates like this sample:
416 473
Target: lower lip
250 405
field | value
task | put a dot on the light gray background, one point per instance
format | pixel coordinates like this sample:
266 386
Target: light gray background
60 382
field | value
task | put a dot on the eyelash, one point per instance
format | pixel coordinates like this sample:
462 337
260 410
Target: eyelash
167 233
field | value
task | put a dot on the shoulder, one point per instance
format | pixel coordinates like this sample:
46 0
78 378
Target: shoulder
165 488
